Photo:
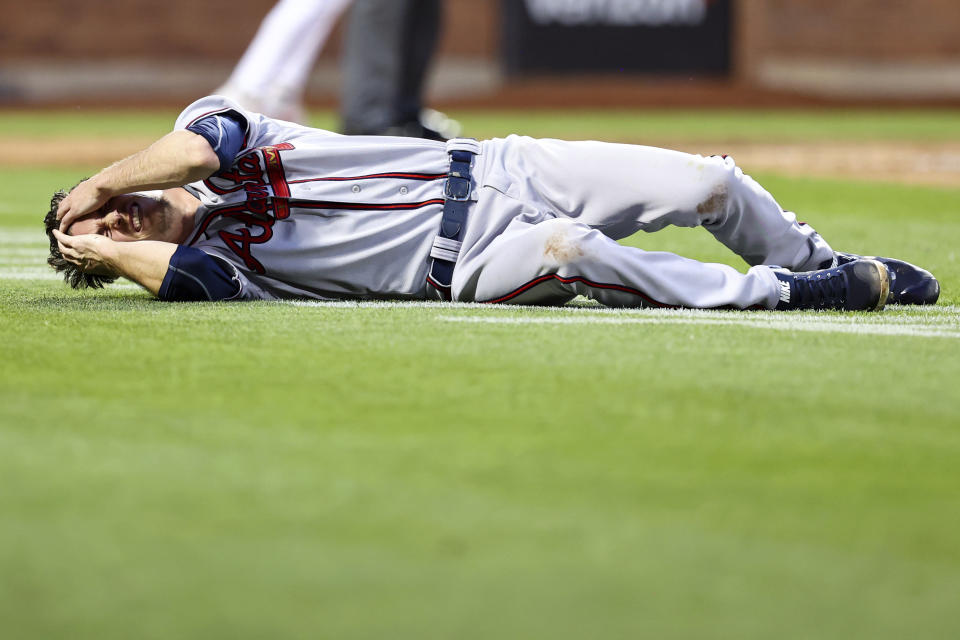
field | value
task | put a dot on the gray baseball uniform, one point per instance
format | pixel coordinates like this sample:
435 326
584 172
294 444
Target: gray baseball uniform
308 213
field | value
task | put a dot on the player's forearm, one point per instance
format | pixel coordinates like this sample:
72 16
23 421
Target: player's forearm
178 158
145 261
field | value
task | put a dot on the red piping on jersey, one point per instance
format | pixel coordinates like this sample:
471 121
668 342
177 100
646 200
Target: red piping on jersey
275 173
598 285
277 178
353 206
373 176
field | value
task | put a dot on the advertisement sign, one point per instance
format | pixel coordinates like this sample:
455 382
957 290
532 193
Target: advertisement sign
668 36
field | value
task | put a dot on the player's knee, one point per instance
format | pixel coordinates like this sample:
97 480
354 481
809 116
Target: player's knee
722 180
562 241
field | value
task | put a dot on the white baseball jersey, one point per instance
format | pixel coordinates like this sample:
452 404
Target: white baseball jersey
310 213
305 213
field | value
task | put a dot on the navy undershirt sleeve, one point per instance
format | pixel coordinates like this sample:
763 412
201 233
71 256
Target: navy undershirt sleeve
194 275
225 132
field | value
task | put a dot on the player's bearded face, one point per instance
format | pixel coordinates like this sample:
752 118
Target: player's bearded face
145 215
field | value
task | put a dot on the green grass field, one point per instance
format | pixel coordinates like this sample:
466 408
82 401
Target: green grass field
272 470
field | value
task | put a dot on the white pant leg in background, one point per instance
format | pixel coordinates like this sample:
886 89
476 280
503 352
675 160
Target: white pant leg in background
281 55
549 211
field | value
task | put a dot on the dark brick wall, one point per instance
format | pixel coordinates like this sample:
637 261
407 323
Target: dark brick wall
215 30
875 30
218 30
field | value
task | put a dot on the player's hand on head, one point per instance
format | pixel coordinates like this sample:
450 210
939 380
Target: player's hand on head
90 252
83 199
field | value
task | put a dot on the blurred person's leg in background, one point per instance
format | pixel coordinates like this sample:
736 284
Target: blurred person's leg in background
272 74
387 53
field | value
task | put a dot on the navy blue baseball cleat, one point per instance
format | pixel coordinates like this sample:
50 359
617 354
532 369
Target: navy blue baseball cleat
860 285
909 284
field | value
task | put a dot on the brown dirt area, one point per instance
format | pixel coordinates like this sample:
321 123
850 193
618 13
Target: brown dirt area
69 152
935 164
902 162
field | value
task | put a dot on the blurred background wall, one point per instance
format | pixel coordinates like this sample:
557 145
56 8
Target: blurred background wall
138 51
872 48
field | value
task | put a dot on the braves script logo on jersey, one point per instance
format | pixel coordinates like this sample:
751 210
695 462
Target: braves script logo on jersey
260 210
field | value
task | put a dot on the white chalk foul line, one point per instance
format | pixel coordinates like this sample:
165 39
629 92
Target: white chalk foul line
896 326
23 255
585 307
10 237
942 321
28 272
28 275
7 253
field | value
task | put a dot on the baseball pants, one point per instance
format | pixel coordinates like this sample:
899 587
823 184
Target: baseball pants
548 214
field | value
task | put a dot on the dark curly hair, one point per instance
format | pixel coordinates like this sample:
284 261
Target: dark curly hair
72 274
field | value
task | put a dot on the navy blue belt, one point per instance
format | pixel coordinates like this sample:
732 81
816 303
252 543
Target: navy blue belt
456 193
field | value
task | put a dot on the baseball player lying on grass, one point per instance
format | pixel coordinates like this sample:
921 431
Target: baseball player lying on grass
235 206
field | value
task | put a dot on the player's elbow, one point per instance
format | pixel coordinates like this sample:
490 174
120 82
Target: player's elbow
199 157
